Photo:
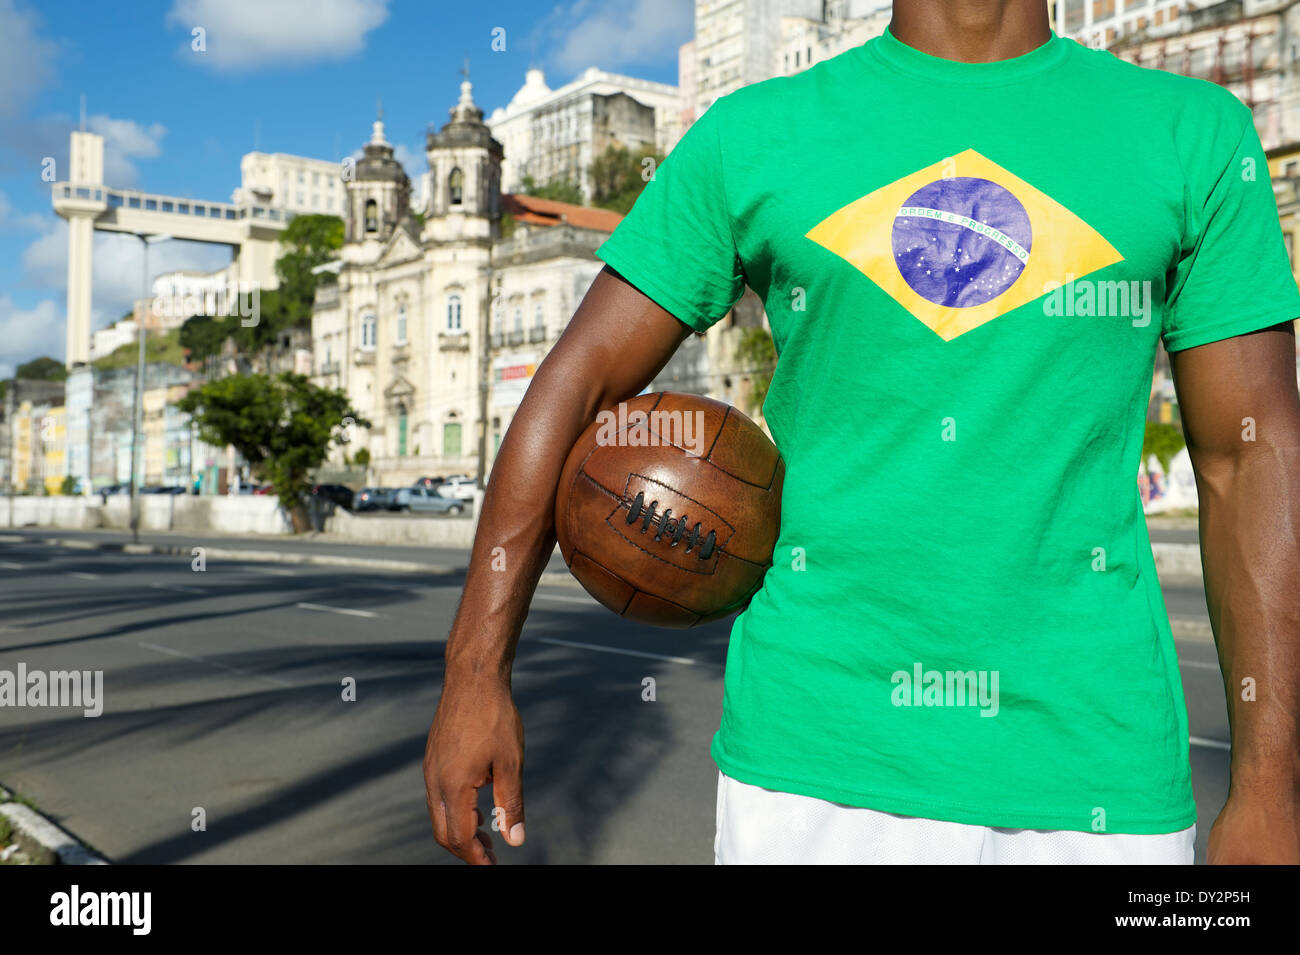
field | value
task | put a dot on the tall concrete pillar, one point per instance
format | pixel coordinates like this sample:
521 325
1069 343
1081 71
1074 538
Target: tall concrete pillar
80 244
80 200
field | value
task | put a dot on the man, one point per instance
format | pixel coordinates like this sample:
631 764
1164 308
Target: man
969 236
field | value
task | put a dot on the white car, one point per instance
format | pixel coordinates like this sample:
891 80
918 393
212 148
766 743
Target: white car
459 487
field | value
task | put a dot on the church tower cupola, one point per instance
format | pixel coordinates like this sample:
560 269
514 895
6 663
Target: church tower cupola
379 192
464 170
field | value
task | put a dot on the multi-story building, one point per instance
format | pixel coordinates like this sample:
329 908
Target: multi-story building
294 183
554 135
842 25
1099 23
687 64
1250 48
736 42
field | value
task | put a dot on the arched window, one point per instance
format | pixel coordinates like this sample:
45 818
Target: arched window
453 313
455 186
539 315
519 318
372 216
368 331
401 324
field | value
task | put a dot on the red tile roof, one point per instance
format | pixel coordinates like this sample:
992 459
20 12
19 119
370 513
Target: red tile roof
537 211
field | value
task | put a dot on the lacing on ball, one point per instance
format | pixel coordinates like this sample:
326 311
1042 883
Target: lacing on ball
674 527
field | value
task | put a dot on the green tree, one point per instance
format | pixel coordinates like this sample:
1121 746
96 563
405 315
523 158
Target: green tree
203 335
69 486
561 190
756 355
309 241
42 369
618 175
1164 441
282 425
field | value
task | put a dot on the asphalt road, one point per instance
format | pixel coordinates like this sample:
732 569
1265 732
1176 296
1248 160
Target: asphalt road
223 692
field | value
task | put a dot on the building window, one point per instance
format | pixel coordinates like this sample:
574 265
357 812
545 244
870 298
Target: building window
451 439
401 431
368 329
519 319
455 187
372 216
539 316
453 313
401 324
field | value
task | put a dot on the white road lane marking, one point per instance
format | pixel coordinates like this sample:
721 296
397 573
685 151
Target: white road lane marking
343 610
276 572
1210 743
178 588
1198 665
10 565
212 663
83 575
587 601
685 661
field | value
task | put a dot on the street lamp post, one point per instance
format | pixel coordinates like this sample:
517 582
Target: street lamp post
137 417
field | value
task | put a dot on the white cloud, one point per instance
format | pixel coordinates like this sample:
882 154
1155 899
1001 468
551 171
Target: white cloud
125 141
616 35
116 267
26 58
27 333
248 34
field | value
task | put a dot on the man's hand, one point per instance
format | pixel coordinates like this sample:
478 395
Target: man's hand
477 738
1254 830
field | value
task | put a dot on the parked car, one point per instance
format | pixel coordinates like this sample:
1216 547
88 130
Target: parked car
458 486
420 499
428 483
339 494
373 499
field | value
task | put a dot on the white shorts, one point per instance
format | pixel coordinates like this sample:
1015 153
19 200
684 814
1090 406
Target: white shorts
759 826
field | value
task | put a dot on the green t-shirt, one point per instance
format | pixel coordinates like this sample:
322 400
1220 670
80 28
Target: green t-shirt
963 620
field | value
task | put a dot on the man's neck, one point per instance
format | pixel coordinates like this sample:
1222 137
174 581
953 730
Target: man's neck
971 31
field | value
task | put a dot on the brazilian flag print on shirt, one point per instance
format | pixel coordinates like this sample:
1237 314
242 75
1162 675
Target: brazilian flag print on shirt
967 269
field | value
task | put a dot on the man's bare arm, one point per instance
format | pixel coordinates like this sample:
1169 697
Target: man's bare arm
1241 415
616 343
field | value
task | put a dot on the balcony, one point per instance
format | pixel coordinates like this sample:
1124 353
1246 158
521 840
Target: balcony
327 296
330 368
497 340
453 342
363 356
536 335
515 338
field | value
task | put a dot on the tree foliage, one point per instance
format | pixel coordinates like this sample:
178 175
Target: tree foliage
283 425
561 190
42 369
1164 441
618 175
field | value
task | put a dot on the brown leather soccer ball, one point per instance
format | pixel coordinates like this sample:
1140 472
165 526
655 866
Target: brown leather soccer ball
668 509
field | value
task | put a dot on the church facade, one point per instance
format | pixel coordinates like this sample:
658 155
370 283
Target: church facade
441 314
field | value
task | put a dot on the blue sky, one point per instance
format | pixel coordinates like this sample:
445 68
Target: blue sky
293 76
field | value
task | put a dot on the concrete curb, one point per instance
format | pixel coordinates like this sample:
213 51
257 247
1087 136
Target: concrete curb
1178 563
263 556
39 838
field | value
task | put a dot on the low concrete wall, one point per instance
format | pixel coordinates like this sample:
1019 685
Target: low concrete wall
255 514
249 514
402 529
